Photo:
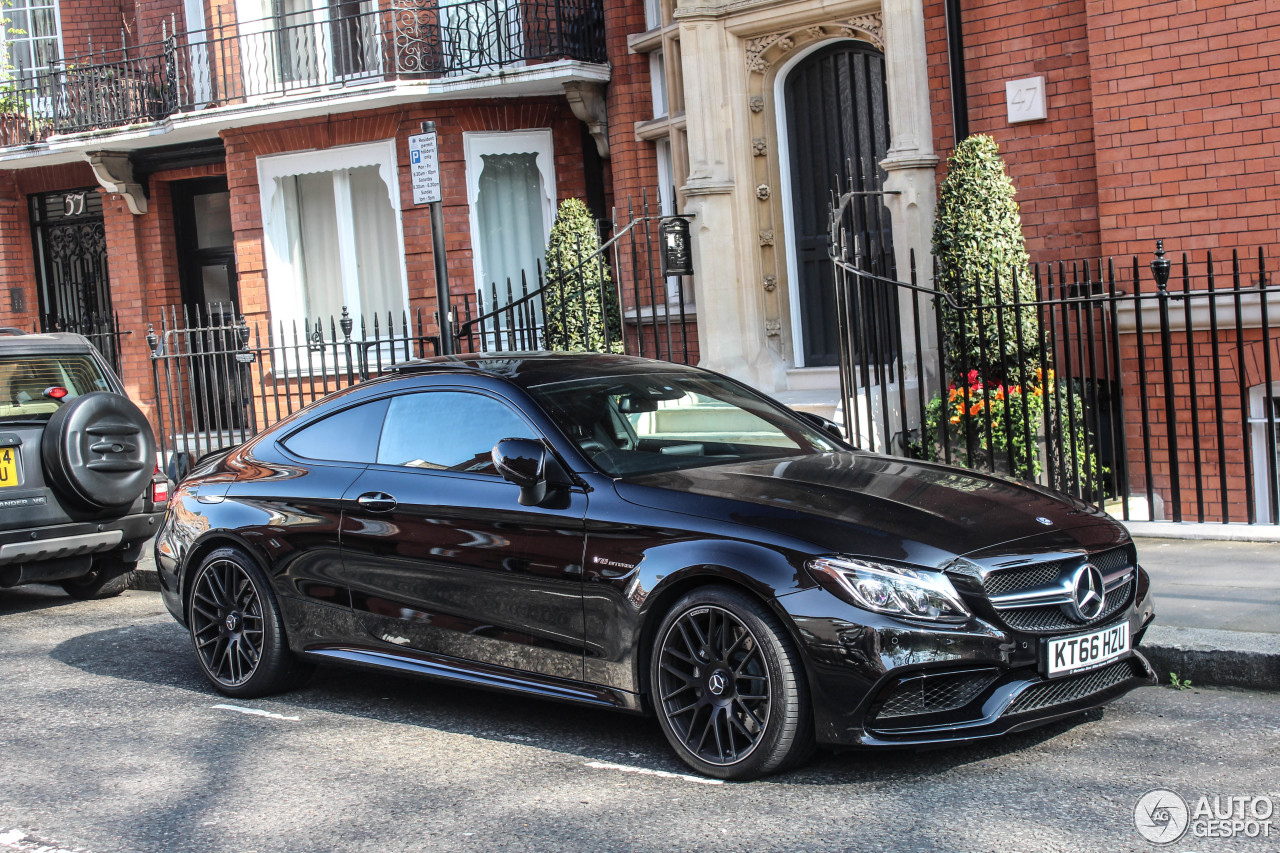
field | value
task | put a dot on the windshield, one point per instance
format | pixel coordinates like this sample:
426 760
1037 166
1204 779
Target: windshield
650 422
24 378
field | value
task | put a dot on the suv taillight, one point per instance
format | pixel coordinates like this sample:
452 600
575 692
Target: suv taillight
160 492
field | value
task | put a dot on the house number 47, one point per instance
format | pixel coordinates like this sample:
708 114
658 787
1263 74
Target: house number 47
1025 100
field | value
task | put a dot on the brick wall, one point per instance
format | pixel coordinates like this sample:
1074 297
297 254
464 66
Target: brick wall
1051 163
1164 119
1187 114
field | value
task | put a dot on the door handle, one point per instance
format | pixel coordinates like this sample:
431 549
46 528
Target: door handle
377 501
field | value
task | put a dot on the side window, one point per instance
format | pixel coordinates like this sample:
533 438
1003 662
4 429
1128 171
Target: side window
448 431
347 436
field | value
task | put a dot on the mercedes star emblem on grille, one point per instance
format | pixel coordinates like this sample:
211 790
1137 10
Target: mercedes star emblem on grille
1087 593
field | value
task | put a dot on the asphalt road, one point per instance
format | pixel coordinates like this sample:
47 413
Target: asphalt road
112 742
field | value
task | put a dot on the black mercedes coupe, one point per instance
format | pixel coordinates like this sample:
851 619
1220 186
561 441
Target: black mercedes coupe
651 538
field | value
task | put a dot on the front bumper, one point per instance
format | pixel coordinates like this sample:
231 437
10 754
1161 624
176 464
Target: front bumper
880 682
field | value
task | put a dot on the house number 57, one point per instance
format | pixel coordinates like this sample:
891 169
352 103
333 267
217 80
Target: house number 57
1025 100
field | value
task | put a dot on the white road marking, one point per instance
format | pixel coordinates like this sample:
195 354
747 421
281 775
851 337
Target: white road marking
256 712
16 839
644 771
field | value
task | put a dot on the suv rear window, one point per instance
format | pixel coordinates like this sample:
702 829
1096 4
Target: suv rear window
24 378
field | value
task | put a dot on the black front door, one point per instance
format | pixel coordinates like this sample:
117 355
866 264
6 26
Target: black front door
220 385
440 554
70 246
206 254
837 132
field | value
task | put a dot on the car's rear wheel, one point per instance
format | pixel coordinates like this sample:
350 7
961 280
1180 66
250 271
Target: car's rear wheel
109 578
237 628
728 686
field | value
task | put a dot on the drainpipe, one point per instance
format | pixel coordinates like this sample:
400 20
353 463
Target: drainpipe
955 62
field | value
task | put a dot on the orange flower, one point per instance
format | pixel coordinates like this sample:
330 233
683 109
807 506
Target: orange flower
975 410
956 419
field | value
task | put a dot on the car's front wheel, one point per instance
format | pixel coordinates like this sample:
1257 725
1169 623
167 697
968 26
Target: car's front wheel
728 686
237 628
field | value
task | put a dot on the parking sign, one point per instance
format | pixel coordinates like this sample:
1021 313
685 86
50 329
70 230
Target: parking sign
424 168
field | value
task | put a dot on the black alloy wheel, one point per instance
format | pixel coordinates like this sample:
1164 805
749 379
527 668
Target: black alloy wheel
236 627
728 687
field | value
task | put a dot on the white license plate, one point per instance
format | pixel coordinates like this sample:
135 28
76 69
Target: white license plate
1066 655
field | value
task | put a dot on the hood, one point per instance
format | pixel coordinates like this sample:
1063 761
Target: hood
876 506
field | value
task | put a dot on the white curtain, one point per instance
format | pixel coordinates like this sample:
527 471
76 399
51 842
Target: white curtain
312 216
377 250
510 220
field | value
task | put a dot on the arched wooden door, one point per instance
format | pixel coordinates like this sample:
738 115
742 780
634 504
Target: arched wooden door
837 128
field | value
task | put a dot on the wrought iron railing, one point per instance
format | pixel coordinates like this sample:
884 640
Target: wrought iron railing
339 46
219 378
1151 402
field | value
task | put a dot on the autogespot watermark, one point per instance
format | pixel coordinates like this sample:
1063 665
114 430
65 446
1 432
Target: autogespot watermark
1163 817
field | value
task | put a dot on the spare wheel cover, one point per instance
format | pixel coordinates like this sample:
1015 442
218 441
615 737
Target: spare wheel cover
99 450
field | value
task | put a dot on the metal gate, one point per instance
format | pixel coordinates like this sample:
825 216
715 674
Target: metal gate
1146 389
70 251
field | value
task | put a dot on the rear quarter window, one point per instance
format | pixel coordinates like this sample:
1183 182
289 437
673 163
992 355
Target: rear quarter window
350 435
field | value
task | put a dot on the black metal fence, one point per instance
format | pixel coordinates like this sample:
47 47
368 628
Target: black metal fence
342 45
102 330
219 378
1149 390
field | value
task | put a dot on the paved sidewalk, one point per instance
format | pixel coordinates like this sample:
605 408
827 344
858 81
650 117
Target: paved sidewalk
1217 611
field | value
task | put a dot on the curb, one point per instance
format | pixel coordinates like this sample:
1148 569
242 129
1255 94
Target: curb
144 579
1212 658
1234 532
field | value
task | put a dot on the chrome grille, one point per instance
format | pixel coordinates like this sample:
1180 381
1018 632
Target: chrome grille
1016 580
1036 598
932 694
1046 694
1050 618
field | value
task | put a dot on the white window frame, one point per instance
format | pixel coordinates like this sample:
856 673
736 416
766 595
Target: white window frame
479 143
284 289
40 105
1257 425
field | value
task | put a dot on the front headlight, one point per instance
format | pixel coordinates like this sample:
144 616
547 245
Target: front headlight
895 590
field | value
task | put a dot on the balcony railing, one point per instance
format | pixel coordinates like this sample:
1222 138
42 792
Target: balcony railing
343 45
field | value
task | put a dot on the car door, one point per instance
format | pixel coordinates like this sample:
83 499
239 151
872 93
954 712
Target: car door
440 555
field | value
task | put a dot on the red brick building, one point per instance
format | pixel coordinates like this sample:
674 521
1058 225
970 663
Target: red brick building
255 157
260 153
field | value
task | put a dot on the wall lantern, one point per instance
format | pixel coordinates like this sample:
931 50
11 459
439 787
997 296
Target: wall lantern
677 250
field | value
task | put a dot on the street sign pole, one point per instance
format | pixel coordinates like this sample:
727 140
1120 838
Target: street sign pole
424 168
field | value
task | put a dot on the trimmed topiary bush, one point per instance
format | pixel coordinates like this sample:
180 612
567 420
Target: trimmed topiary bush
582 312
982 260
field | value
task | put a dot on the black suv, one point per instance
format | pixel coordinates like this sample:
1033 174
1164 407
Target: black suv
79 486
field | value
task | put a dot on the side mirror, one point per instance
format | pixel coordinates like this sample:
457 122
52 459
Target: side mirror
523 461
830 427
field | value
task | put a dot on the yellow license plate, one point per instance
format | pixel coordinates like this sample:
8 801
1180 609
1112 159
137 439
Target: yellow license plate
8 466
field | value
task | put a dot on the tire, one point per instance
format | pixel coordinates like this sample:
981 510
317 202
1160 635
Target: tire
99 451
109 578
728 686
236 628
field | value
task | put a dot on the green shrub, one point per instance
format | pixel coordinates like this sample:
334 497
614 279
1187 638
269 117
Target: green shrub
982 260
581 303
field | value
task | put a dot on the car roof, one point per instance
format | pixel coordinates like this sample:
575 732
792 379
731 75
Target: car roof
531 369
45 342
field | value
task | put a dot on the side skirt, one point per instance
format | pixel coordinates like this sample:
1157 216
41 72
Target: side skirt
481 675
